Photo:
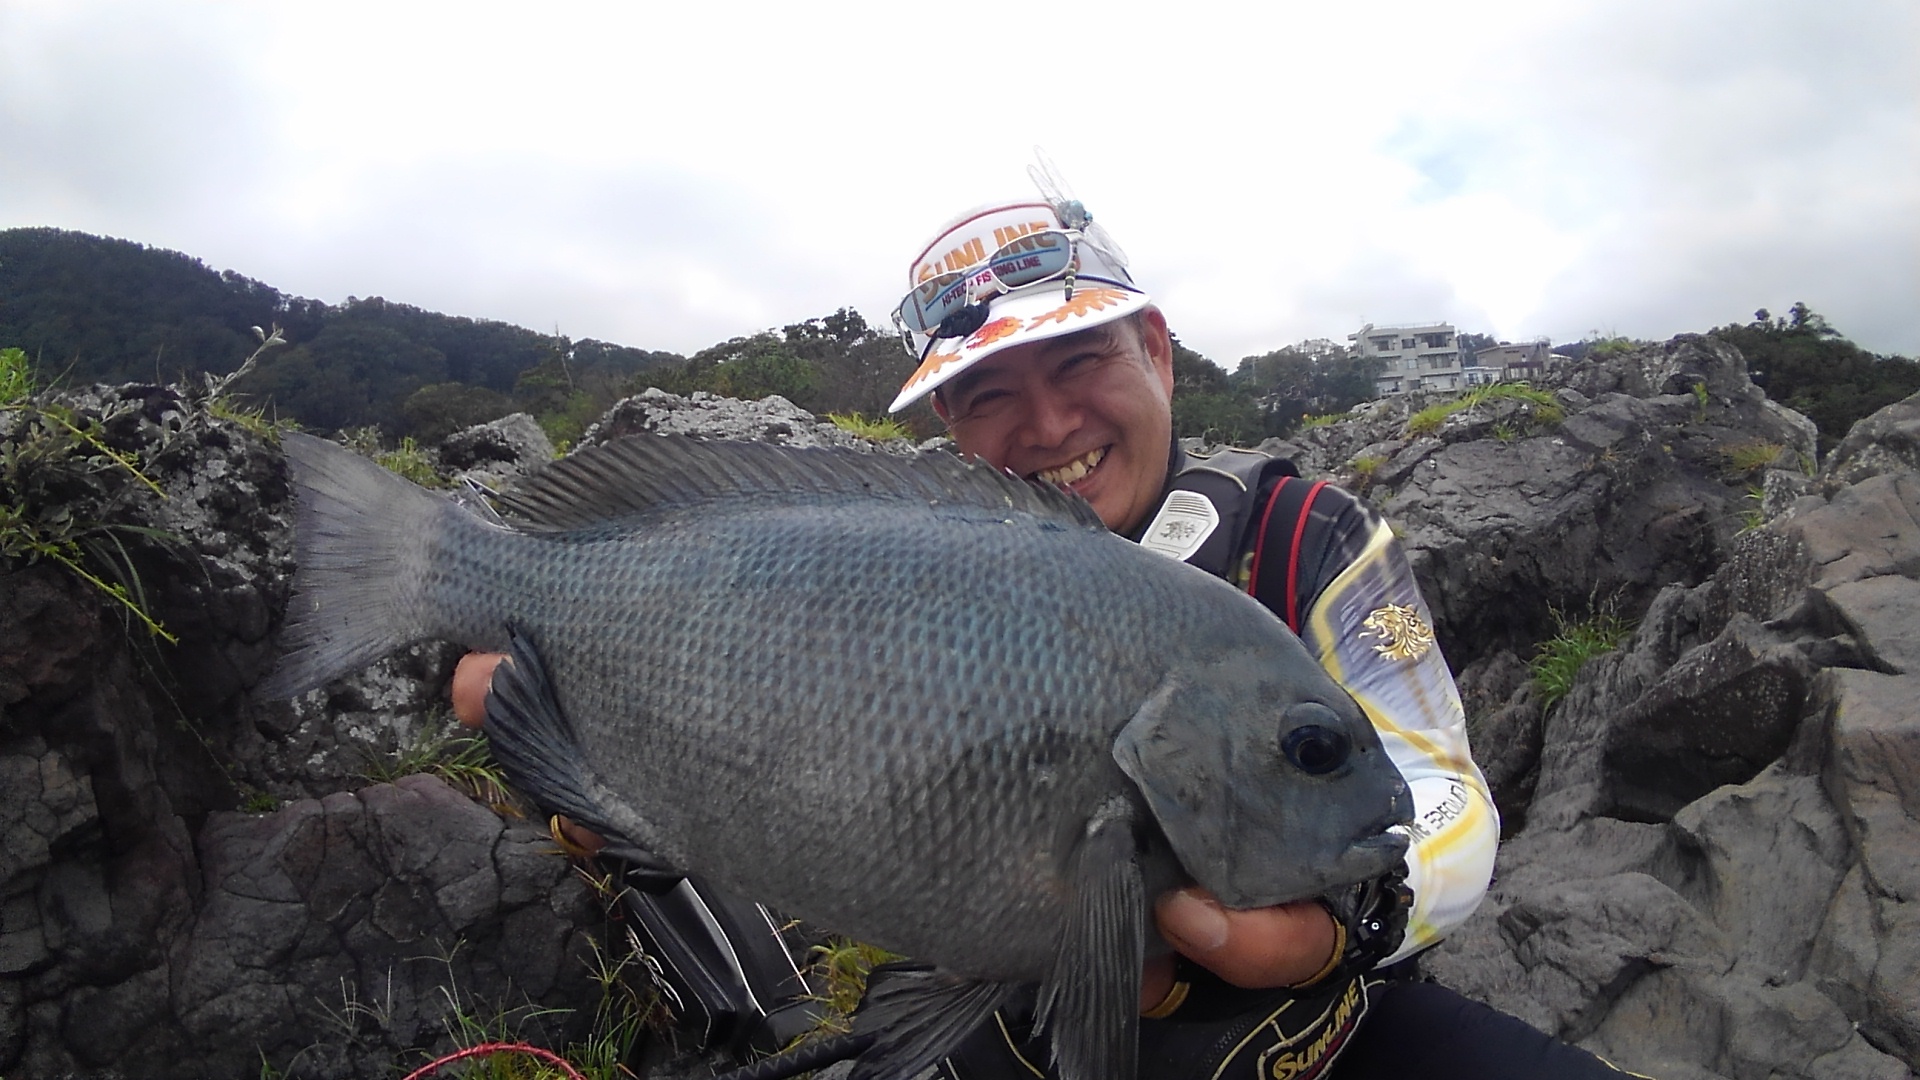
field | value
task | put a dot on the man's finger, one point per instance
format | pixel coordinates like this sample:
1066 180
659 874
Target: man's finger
471 679
1264 947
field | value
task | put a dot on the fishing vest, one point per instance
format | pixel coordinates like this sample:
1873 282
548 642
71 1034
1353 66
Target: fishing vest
1208 504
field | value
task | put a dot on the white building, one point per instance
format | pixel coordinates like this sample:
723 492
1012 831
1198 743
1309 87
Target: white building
1419 357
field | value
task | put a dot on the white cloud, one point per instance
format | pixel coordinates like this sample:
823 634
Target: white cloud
670 175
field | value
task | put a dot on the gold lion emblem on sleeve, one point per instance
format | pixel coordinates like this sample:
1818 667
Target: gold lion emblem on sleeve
1402 634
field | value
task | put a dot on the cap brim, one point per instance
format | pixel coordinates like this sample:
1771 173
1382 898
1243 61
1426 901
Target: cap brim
1016 319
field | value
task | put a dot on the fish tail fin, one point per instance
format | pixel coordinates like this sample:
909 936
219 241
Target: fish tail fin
362 538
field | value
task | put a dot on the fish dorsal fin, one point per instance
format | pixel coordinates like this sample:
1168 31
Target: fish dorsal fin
644 473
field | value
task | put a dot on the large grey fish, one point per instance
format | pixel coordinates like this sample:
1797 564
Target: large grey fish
913 700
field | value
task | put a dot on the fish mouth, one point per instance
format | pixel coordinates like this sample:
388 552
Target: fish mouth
1375 855
1072 471
1395 842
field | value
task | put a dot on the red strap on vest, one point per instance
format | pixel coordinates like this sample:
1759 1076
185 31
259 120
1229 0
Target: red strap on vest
1293 556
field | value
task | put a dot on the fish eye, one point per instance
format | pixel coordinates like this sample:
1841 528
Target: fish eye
1316 749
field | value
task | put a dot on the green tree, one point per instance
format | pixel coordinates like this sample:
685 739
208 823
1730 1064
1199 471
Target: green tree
437 410
1314 377
1206 405
1809 366
860 368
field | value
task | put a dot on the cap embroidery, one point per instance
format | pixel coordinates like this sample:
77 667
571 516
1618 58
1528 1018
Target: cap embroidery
993 332
1405 635
1084 302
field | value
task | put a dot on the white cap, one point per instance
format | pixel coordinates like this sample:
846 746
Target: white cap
1102 289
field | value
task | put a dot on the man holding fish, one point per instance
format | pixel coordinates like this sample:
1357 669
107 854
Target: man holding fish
1048 362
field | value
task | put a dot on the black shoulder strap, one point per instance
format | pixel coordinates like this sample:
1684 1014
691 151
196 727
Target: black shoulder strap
1214 495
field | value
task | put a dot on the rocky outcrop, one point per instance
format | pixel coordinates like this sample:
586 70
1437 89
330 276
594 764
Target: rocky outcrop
1722 837
1628 480
708 416
150 928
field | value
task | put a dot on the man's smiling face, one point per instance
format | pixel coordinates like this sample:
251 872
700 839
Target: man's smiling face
1090 411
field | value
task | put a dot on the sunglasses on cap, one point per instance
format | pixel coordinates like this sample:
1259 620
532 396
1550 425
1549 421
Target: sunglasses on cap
954 304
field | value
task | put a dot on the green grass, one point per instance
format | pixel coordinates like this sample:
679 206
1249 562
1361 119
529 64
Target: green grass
1428 420
621 1016
879 429
1753 516
840 968
410 461
463 761
1561 656
259 802
1545 410
1310 421
1700 399
1747 457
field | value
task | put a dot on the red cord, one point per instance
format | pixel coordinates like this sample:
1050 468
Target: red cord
547 1056
1293 558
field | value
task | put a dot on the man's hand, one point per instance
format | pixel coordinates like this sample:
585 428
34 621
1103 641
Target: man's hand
1257 949
472 679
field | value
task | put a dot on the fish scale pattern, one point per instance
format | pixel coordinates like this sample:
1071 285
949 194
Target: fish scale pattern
730 668
844 705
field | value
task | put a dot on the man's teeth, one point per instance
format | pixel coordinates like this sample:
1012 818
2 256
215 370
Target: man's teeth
1072 470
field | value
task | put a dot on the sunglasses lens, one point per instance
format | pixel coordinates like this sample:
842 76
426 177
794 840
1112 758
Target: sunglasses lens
933 300
1033 257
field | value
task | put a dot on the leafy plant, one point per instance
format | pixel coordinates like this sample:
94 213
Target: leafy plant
1561 656
1700 400
47 451
255 420
1310 421
365 441
879 429
16 376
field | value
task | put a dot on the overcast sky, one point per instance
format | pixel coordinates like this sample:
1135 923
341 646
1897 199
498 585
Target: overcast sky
671 175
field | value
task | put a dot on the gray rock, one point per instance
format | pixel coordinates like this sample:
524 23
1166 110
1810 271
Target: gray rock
708 416
1630 492
497 451
1759 725
1888 442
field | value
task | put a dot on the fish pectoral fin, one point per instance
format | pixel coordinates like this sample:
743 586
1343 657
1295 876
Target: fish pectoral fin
536 745
1090 1004
917 1015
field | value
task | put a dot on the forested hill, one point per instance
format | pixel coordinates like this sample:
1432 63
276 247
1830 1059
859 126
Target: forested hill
92 309
89 309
